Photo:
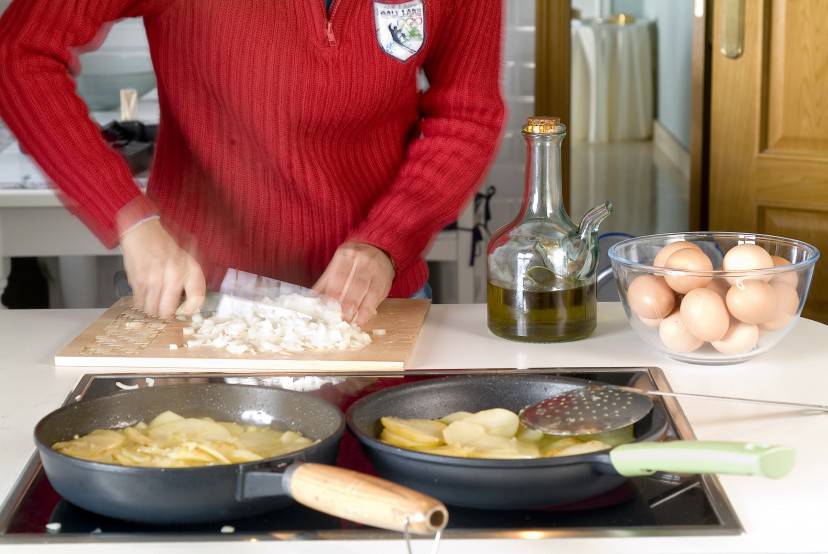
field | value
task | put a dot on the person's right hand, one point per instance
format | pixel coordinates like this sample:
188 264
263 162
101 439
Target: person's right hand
158 270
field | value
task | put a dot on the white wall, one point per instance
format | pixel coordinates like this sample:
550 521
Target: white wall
634 7
674 28
592 8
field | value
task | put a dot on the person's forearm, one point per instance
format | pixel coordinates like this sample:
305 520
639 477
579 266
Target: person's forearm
430 191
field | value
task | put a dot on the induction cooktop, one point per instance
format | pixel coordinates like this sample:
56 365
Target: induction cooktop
658 505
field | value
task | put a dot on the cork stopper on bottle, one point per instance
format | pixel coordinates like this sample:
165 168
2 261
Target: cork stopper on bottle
544 126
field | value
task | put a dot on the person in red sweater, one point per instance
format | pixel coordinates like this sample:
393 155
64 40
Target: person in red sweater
293 139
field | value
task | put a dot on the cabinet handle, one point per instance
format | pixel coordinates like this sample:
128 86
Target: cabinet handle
733 28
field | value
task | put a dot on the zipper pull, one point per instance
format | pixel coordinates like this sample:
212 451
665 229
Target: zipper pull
330 34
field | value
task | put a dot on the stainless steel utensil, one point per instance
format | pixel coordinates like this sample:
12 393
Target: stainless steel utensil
242 293
587 410
601 408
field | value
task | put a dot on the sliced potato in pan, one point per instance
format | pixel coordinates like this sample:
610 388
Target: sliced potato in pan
421 431
448 450
497 421
455 416
392 438
494 433
174 441
463 432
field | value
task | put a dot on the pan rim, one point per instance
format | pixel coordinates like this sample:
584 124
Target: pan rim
285 459
492 463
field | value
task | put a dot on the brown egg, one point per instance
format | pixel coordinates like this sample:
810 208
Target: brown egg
668 250
752 301
719 286
746 257
704 314
650 322
675 335
787 304
650 297
740 338
788 277
690 259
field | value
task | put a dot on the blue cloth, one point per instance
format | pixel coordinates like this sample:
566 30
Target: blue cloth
328 3
424 292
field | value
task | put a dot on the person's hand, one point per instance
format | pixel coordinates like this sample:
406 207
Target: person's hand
158 270
359 276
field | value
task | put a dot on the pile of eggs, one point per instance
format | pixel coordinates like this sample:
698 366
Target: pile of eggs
728 312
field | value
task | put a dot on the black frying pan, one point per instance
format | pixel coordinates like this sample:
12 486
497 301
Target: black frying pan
225 492
544 482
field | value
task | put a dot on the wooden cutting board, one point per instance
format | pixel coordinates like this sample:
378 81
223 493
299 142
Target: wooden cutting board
124 337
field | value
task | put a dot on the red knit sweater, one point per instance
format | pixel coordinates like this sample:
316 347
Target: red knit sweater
284 131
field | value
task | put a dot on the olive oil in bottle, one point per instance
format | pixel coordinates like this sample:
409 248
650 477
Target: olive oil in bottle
541 267
545 316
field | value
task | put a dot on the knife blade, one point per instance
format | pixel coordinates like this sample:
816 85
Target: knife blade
242 284
245 294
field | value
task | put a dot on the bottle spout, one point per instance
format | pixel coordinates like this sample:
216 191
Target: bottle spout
593 219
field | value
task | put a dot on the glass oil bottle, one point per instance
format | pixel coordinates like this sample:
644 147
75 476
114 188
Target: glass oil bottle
541 266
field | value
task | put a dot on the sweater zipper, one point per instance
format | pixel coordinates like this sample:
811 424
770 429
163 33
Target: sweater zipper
329 15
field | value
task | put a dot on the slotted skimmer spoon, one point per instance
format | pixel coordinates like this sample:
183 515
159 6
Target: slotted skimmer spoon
600 408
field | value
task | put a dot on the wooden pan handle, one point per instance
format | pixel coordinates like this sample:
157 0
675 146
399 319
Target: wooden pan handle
364 498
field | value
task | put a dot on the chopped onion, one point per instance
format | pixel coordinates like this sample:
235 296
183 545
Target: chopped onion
290 323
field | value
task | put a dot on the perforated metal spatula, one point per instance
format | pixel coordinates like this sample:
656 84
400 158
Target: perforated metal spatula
598 408
587 410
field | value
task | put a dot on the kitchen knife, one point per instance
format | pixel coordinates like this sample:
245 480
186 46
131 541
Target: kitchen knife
244 294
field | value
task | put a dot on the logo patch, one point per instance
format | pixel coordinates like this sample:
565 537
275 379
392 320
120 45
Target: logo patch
400 28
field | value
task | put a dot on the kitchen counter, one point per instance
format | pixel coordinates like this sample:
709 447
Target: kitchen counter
778 516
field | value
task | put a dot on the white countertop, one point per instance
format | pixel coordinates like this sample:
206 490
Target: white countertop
787 515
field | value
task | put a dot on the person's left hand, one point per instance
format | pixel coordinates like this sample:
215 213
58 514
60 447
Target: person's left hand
359 276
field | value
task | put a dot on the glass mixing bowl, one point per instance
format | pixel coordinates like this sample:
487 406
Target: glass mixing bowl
760 306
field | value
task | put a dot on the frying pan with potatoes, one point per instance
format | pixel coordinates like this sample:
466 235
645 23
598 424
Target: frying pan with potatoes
218 490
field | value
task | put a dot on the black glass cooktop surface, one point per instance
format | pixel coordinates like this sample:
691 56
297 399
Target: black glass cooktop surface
662 504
